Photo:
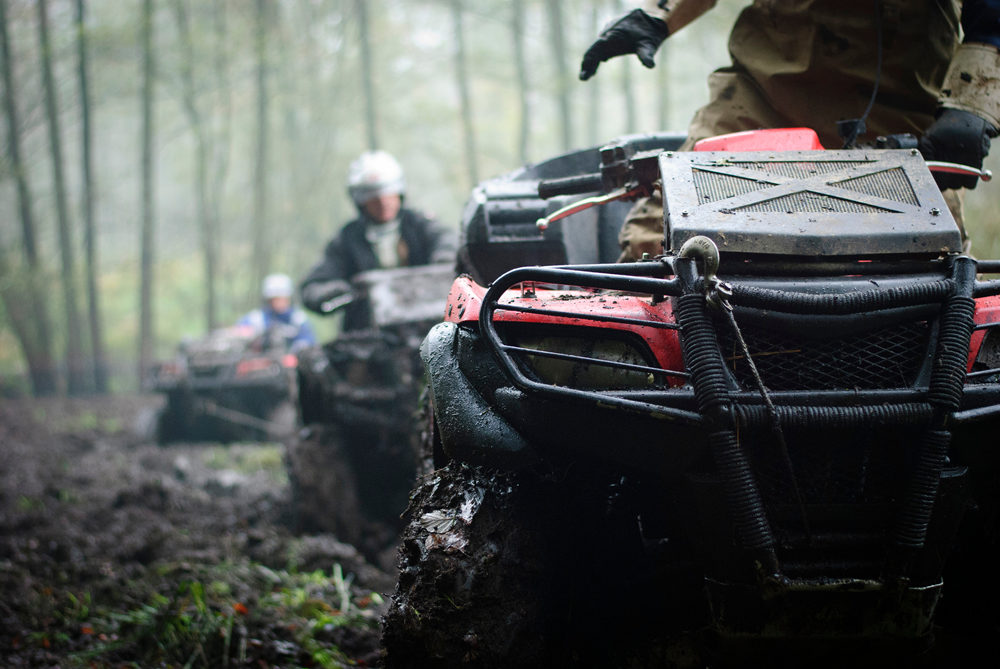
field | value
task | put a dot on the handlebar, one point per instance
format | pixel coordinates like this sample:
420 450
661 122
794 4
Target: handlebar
574 185
335 303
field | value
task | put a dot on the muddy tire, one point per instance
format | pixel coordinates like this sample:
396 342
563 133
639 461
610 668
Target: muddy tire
473 580
173 421
323 484
515 569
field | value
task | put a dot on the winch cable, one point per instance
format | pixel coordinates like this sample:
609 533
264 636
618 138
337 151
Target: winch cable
859 124
718 296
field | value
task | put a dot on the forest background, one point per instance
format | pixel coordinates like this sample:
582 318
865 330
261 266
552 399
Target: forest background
158 157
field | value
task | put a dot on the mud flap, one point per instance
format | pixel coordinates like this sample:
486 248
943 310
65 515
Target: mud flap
470 430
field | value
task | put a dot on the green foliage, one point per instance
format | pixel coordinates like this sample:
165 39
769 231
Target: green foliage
25 503
248 459
204 623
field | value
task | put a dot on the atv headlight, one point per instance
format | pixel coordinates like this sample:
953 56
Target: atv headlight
586 363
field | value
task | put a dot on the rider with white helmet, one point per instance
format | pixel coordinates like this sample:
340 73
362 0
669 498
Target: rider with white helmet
384 235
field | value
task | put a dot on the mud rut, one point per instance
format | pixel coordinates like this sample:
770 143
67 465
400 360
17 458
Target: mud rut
95 520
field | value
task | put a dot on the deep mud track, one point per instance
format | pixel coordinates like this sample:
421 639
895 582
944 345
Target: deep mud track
114 551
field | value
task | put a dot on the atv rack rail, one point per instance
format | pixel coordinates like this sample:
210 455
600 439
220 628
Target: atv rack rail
903 404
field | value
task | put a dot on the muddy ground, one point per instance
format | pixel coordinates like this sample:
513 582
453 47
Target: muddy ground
117 552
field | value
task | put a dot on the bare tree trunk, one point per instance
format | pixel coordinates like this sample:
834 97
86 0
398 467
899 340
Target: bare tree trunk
520 60
628 96
595 133
317 91
563 75
90 231
190 104
367 79
36 340
663 90
222 129
147 222
261 252
462 75
76 381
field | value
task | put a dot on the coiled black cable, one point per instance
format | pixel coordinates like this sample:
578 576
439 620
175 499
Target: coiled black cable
708 376
841 303
828 417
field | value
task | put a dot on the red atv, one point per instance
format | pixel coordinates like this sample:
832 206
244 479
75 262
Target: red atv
772 441
232 384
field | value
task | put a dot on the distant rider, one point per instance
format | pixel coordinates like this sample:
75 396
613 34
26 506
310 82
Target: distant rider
384 235
278 319
814 63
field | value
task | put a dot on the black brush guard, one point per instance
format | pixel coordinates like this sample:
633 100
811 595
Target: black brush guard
783 558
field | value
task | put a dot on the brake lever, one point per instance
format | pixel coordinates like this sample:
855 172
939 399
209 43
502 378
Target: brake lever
587 203
957 168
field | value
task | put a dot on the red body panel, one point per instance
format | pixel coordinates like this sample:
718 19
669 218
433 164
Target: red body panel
466 298
776 139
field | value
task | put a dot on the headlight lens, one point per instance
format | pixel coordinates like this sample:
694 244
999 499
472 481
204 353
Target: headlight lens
599 364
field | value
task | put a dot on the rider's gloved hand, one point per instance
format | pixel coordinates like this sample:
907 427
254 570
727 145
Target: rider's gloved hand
318 293
637 32
957 136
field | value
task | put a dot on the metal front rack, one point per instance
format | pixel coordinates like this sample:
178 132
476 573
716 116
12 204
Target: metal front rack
882 405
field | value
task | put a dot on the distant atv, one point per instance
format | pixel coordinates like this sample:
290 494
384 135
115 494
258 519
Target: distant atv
231 385
779 439
352 466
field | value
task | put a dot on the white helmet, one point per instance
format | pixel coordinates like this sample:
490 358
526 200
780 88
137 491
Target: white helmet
277 285
373 174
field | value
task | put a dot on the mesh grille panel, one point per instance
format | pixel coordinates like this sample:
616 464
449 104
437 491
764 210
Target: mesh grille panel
886 358
891 184
810 202
712 187
799 169
864 203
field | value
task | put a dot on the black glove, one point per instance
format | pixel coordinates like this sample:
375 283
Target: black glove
316 295
961 137
637 32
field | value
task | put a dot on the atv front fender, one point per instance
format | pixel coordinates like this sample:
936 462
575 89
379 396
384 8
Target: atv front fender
469 428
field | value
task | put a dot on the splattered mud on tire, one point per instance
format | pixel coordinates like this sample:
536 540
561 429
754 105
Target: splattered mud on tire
471 581
500 570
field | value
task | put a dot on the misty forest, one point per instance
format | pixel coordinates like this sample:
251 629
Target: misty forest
173 498
161 156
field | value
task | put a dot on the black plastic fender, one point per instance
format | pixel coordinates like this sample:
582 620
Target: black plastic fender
470 430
